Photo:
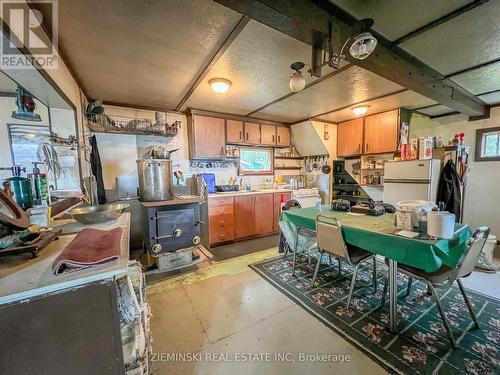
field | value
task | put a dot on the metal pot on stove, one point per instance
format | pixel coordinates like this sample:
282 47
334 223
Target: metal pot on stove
155 179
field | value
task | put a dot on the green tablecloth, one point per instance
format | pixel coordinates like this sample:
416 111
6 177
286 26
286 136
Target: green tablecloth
376 234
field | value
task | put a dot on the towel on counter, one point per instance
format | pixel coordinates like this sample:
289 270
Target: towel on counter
91 247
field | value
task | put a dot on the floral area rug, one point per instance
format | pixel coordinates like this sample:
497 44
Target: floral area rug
422 345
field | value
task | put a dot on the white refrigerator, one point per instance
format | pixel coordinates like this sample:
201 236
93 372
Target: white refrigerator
411 180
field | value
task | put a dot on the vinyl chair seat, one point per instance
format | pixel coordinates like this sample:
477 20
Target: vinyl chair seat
357 254
436 277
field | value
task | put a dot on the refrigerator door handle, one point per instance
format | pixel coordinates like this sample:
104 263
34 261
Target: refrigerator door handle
406 181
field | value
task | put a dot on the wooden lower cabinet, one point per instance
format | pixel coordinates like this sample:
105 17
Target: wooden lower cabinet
221 217
263 215
244 216
277 208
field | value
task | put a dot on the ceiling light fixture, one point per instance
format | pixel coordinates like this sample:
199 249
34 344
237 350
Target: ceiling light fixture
360 109
362 46
220 85
363 43
297 80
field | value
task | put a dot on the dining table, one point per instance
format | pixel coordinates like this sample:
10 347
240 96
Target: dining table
379 235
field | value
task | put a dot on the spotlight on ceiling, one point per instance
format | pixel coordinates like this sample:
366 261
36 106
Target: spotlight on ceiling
220 85
362 46
360 109
297 81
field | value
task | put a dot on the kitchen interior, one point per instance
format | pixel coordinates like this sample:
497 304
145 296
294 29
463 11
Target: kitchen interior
170 189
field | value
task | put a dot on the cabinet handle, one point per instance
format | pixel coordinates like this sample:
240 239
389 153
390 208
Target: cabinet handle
273 138
222 236
247 136
222 151
367 147
279 138
221 222
241 135
359 147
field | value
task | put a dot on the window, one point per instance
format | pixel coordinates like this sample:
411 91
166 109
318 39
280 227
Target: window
488 144
256 161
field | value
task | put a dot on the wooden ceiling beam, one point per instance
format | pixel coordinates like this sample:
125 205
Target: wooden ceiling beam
308 20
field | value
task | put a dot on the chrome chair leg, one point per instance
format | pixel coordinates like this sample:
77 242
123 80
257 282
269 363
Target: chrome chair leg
467 302
384 292
287 249
443 315
375 286
295 253
340 266
317 267
408 288
330 259
353 281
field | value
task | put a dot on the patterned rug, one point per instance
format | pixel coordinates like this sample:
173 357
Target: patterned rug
422 345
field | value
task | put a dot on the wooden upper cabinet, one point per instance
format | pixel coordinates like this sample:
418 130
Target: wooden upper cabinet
252 133
381 132
267 135
283 136
234 131
207 137
350 137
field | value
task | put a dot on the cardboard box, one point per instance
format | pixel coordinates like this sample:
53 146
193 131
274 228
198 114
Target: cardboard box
425 148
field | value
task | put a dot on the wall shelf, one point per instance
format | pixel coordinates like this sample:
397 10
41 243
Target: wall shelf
284 168
288 158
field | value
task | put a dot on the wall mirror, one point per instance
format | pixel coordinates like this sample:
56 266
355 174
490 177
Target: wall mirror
38 125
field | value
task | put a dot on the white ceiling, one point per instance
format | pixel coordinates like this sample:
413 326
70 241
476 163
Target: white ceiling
149 55
396 18
465 41
436 110
143 53
350 86
258 63
407 99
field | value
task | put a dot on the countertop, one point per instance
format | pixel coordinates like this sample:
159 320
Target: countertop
245 192
21 279
182 199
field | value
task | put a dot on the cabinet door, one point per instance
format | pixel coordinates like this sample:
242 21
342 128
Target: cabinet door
381 132
208 137
252 133
234 131
267 135
350 137
283 136
244 216
277 208
263 214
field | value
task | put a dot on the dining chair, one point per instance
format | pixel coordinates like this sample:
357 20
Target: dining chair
331 241
290 204
445 276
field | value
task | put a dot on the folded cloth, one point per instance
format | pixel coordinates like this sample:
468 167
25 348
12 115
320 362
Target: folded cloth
91 247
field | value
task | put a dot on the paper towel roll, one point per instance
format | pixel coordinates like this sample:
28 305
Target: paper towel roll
440 224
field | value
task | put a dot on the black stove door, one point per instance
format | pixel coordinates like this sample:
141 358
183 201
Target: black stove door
176 228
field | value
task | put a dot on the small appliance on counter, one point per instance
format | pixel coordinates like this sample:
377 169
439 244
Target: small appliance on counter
340 205
371 208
